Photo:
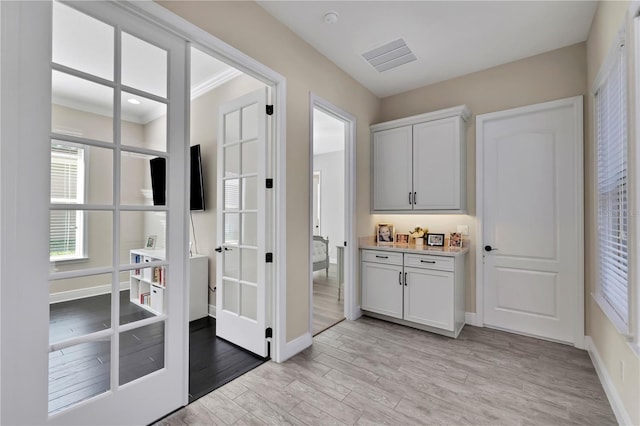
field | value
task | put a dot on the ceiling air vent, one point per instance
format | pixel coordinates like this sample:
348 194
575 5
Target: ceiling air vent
390 55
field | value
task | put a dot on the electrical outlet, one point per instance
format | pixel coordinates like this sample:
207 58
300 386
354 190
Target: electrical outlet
463 229
622 370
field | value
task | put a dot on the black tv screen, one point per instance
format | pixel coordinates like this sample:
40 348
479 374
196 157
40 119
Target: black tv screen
197 187
158 167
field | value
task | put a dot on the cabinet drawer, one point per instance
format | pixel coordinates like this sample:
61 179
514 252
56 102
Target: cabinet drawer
387 257
441 263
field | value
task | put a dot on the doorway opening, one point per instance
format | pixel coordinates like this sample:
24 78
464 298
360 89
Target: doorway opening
331 181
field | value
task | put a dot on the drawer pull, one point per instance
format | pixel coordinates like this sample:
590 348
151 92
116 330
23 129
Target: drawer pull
382 257
428 261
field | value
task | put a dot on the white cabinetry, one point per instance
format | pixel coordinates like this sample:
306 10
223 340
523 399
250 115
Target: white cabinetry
419 163
148 287
421 290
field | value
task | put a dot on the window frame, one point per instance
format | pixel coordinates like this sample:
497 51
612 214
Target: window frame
82 184
623 325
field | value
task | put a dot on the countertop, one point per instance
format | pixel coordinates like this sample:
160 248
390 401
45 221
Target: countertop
370 243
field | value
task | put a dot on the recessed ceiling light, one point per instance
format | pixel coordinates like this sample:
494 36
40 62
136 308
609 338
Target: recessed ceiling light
133 101
331 17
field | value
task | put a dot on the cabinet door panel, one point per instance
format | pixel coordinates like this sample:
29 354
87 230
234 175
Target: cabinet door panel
428 297
382 289
392 174
436 164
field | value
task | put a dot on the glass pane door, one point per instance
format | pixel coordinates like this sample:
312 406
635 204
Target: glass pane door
117 256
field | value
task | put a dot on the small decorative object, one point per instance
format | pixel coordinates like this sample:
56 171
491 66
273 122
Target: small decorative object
402 238
455 240
417 234
384 233
151 242
435 240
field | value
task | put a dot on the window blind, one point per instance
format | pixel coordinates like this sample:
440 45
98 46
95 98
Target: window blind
612 178
65 226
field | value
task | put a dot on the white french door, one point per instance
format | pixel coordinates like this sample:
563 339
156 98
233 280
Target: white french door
241 294
103 90
530 207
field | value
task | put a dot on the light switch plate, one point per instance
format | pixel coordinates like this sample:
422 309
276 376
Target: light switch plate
463 229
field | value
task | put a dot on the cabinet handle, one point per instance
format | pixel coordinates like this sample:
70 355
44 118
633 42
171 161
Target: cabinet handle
382 257
409 197
405 279
427 261
400 278
414 198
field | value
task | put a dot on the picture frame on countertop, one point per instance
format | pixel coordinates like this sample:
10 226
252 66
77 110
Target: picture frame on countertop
455 240
384 233
402 238
435 240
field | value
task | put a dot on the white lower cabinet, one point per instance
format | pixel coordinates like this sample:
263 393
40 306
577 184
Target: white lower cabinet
421 290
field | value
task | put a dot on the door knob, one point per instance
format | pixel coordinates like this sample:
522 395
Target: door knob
489 248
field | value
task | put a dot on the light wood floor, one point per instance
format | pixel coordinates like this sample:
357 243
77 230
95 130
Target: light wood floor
327 309
373 372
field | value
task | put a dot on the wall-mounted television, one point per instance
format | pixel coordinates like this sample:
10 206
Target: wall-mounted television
158 167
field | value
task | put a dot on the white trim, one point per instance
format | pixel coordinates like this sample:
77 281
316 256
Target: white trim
213 82
612 57
458 111
622 416
577 103
351 312
212 311
296 346
208 43
634 184
65 296
470 318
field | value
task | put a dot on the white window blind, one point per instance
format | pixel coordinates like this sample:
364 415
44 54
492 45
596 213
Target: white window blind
67 187
612 178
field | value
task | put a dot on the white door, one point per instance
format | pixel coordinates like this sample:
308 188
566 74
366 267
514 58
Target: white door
531 212
241 272
316 204
393 176
81 211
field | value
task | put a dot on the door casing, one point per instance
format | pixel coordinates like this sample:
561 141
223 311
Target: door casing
351 310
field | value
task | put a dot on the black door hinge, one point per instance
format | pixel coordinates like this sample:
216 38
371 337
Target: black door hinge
268 333
269 109
269 183
268 258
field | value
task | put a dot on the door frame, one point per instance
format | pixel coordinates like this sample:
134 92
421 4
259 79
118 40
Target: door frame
576 103
351 310
217 48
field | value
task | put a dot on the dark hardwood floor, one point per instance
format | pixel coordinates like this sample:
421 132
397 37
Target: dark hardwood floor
214 362
83 371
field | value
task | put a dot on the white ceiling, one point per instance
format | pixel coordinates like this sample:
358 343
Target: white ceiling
449 38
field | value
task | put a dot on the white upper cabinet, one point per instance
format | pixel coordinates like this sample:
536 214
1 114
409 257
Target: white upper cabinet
392 177
419 163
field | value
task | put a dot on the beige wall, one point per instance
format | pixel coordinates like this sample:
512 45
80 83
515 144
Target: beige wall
553 75
204 131
249 28
611 345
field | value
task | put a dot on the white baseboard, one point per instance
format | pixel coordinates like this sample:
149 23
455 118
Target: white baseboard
620 412
65 296
470 318
295 346
212 311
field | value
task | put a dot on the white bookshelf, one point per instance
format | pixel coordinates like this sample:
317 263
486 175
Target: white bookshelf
147 285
